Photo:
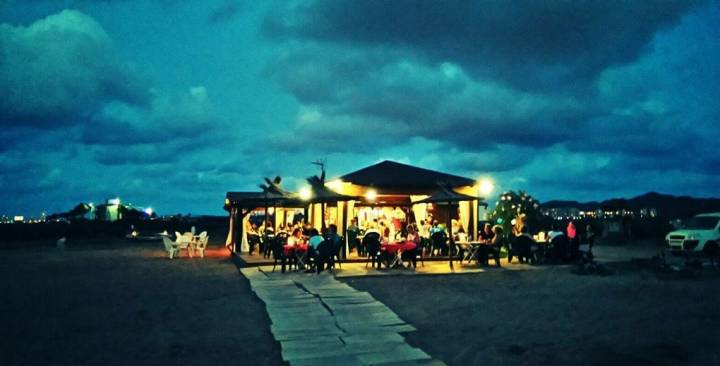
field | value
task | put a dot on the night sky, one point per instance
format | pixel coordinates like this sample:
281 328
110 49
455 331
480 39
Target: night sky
170 104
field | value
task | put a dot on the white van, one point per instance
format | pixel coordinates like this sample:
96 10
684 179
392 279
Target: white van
700 234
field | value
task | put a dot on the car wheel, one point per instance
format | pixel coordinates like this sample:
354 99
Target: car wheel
712 251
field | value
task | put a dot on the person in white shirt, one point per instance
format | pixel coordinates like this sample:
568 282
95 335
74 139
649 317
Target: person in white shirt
296 238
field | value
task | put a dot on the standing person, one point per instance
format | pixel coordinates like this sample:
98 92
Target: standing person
589 235
424 229
384 232
435 228
519 227
516 246
352 232
571 233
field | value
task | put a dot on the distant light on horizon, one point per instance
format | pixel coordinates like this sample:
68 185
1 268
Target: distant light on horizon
149 211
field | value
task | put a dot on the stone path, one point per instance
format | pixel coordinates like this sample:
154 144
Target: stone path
319 320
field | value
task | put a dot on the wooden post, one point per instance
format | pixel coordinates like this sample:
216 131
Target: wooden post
450 234
344 229
473 222
266 213
239 221
306 214
322 217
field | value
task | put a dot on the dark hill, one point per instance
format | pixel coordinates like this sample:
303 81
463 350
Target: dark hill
666 205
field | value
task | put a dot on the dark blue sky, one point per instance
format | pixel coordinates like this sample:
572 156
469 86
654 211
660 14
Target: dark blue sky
170 104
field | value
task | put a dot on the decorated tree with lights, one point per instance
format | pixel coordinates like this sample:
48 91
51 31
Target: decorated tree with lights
512 204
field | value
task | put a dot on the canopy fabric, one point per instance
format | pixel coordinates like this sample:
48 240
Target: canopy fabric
446 195
390 175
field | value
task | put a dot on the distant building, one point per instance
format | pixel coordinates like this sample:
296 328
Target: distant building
109 211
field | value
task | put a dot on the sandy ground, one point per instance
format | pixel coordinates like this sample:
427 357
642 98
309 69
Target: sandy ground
128 305
635 316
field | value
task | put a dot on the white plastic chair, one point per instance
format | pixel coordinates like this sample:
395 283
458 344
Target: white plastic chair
170 247
184 242
201 244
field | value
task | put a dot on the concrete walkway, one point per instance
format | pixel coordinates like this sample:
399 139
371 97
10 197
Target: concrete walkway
319 320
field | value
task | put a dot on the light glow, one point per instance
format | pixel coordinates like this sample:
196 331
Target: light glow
149 211
486 187
371 195
305 193
335 184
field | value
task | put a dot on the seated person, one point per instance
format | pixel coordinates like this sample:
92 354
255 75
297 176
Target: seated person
313 243
461 235
439 241
371 241
336 244
559 244
412 236
487 234
252 237
296 238
522 247
491 247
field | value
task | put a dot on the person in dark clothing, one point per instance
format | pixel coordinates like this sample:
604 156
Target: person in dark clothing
353 231
335 245
487 234
371 241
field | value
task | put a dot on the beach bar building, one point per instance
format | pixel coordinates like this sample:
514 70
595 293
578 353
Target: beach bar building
386 191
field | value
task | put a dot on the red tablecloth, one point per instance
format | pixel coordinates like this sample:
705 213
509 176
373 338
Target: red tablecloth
394 247
290 249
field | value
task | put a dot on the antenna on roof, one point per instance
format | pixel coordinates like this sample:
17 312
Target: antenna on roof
321 164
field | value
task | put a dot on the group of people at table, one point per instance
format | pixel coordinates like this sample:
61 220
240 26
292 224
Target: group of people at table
301 245
555 245
306 247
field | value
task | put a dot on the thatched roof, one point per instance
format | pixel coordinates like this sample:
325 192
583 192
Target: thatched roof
393 176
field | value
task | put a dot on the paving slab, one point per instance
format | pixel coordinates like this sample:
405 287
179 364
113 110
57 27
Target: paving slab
372 338
396 354
321 321
345 360
371 329
306 334
324 341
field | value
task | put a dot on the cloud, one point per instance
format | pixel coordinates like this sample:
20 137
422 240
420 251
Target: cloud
530 44
170 116
623 104
227 11
59 69
401 95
